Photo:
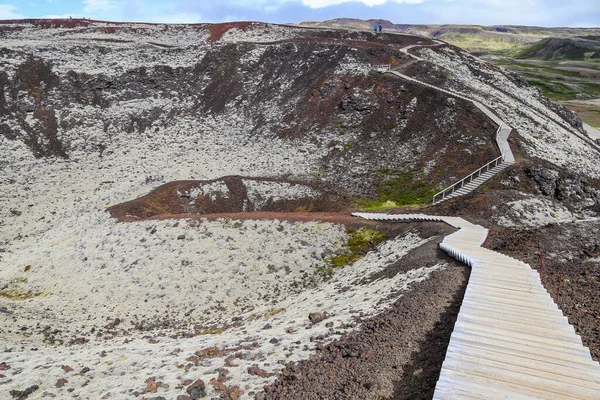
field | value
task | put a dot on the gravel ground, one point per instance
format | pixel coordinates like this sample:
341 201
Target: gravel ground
396 354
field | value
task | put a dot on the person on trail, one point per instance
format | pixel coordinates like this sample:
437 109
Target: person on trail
379 28
375 29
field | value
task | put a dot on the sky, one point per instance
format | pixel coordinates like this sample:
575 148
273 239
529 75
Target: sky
575 13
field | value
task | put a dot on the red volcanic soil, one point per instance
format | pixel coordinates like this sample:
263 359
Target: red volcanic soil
218 30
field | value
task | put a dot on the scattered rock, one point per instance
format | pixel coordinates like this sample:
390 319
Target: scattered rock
61 382
359 102
255 370
234 393
317 317
152 385
23 394
218 386
4 366
180 237
66 368
197 390
84 370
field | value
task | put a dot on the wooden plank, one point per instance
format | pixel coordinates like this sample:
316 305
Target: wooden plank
475 294
483 278
497 272
511 291
482 391
558 333
453 388
524 339
528 384
555 314
512 348
487 290
499 268
484 330
490 315
524 370
476 297
468 323
557 367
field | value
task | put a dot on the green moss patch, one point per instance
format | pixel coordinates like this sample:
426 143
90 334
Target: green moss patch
398 188
17 289
359 243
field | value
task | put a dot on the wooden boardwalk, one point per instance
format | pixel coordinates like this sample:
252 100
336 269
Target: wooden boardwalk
462 187
510 340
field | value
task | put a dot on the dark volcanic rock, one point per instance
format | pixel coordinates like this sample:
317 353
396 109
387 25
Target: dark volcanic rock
23 394
545 178
197 390
317 317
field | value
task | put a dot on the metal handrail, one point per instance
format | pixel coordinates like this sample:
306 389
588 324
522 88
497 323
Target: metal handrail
469 177
385 67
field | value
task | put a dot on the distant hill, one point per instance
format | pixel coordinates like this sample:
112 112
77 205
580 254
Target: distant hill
563 63
474 38
579 48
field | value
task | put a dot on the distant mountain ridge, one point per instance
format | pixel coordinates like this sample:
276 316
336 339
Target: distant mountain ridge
474 38
578 48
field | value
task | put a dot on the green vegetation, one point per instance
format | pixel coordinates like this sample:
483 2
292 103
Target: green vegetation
589 112
398 188
553 90
557 81
17 290
273 311
359 243
349 145
478 41
211 331
575 48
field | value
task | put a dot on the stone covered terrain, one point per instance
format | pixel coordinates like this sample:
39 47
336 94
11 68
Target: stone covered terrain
174 208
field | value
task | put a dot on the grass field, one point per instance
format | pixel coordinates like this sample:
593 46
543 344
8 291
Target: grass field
588 110
560 81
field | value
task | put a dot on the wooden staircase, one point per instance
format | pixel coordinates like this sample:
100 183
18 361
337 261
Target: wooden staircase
477 178
510 340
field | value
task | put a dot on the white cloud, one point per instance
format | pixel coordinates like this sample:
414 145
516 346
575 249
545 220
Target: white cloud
99 6
8 11
370 3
